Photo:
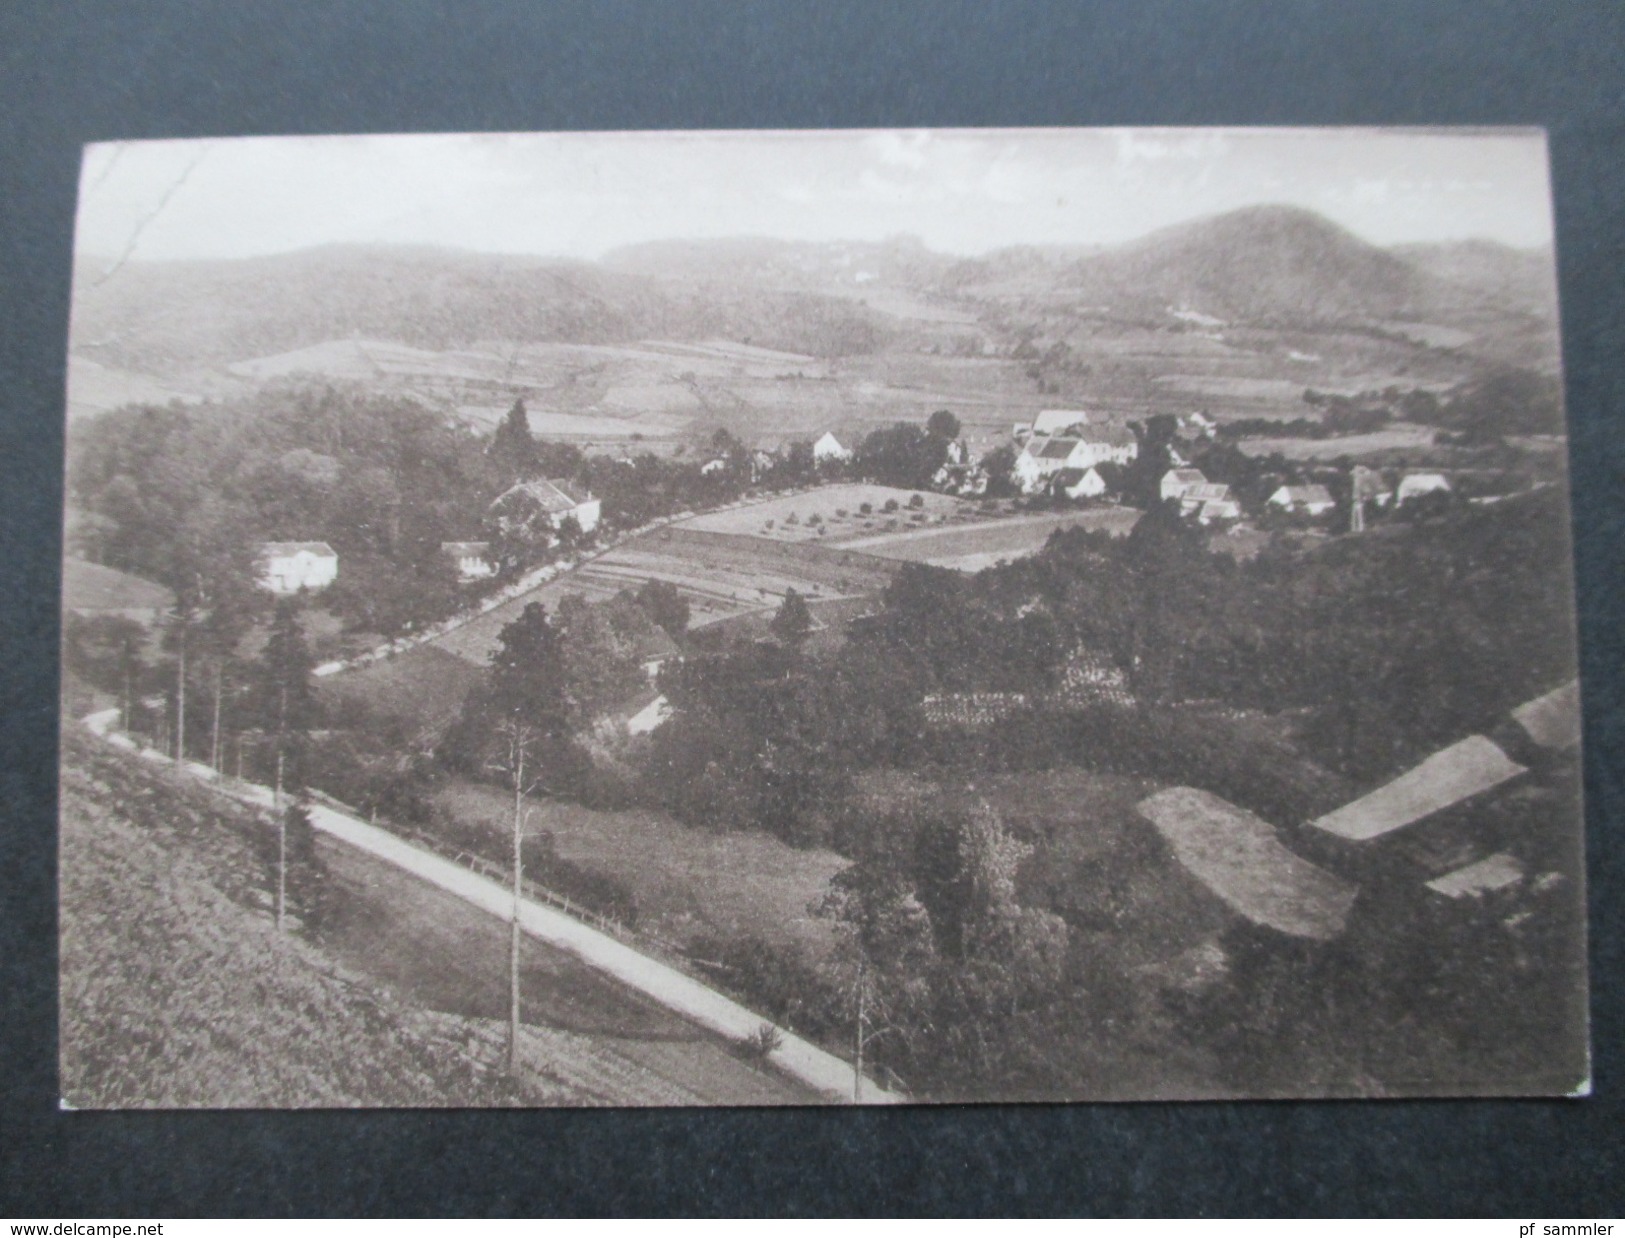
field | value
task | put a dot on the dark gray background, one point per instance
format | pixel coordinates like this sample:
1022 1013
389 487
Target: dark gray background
71 73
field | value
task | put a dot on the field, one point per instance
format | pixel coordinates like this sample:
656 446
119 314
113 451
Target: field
970 548
178 992
688 882
769 519
422 688
1397 437
606 1044
721 575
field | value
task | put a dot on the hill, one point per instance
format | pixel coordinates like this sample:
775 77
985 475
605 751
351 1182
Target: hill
1486 274
812 266
1262 264
178 992
170 317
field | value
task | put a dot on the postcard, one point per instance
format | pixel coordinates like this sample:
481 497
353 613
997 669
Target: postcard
799 618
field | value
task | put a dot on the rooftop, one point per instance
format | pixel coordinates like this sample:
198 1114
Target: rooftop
1553 720
1237 856
292 548
1446 778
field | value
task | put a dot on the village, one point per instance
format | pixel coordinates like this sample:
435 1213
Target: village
794 667
811 568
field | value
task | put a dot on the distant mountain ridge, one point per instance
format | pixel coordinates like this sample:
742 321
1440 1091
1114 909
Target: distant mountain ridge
1265 265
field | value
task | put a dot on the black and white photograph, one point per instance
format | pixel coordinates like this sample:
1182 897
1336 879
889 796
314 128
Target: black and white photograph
786 618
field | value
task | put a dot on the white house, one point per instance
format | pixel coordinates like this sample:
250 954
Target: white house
828 449
1080 484
1415 485
1054 421
1311 500
556 500
471 558
291 566
1042 458
1176 481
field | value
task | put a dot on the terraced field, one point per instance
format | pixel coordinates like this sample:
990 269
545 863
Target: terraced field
970 548
721 575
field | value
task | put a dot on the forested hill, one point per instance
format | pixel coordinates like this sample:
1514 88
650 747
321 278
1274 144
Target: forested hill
170 316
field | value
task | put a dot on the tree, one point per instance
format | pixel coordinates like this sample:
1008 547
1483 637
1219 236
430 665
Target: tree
1000 467
527 681
943 426
512 447
514 756
793 622
665 604
284 704
1142 478
287 709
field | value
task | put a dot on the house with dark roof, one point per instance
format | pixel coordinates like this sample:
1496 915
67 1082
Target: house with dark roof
553 500
1078 484
1043 457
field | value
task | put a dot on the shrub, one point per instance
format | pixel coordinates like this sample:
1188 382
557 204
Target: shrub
865 508
840 513
916 501
792 519
891 506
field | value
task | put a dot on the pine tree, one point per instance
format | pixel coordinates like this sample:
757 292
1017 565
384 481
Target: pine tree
793 623
512 446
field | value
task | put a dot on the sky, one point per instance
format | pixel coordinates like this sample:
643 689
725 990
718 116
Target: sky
581 195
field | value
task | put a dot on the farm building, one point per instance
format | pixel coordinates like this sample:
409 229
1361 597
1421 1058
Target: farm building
92 591
1079 483
472 558
1176 481
1060 421
1308 500
291 566
1552 721
829 450
1042 458
1415 485
1447 778
1237 856
555 500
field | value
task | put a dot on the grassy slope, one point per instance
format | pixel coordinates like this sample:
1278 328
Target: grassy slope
687 881
177 991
